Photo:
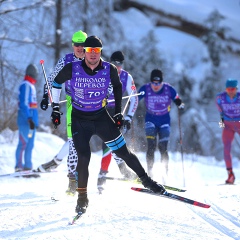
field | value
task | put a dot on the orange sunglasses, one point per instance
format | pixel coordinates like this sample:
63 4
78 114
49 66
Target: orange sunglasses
231 89
93 49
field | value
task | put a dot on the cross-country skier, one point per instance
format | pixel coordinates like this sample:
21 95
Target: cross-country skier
78 40
158 97
228 104
90 81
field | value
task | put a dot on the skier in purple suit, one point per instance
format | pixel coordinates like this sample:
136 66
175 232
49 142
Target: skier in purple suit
228 104
91 79
158 97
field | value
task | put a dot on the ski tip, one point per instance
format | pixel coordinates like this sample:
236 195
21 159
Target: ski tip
203 205
136 189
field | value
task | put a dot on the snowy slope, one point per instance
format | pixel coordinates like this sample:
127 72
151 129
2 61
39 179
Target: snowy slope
27 211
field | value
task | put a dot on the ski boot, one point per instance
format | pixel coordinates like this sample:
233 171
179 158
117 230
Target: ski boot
147 182
47 167
231 177
101 180
82 203
17 169
127 174
72 185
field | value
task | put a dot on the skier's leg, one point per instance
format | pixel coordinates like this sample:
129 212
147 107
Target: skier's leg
151 133
72 161
22 143
106 159
127 173
164 133
28 152
227 138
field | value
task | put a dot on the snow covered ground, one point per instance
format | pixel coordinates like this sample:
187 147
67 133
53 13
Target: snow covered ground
27 210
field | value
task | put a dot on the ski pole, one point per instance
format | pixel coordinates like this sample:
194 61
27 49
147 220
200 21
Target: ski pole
129 96
124 127
113 100
45 77
180 140
125 108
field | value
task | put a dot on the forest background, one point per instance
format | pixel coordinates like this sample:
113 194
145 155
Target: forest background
197 51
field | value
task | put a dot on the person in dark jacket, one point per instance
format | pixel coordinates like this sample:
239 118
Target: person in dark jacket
91 79
27 119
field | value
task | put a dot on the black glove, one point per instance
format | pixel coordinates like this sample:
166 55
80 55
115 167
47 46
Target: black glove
179 103
56 115
31 123
127 122
44 102
118 119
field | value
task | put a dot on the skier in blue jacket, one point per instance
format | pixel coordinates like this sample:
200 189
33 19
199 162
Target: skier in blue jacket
27 119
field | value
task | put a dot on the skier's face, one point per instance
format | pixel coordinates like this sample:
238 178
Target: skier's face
78 50
231 91
156 85
92 56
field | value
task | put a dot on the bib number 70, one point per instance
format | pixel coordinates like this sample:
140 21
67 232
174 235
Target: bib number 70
95 94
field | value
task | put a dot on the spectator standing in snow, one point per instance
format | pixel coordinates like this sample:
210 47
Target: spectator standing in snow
78 40
91 79
228 104
128 85
158 96
27 119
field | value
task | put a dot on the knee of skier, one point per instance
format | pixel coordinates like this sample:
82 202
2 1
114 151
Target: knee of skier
150 129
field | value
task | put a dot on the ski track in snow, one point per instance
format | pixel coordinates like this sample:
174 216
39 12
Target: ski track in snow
221 216
118 213
222 221
27 210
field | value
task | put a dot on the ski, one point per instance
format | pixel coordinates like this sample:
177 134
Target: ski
30 175
137 181
172 196
24 174
39 172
